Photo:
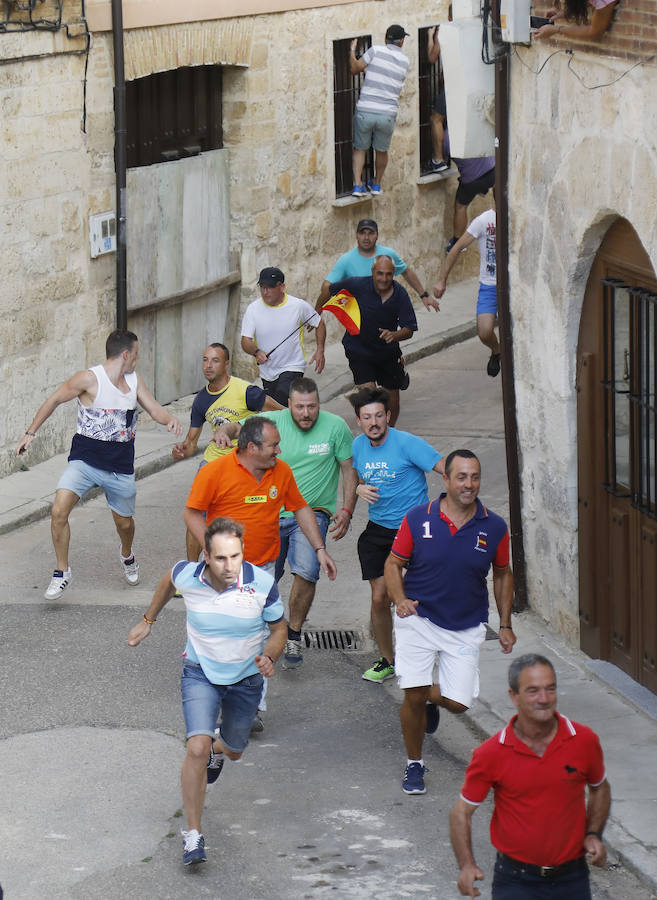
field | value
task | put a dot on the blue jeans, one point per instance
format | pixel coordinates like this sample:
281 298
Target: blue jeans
511 882
296 548
202 701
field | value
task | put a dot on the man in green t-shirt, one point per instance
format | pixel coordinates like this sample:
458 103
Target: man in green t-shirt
317 446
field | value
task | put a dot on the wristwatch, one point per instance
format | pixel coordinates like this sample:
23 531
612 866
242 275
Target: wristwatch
425 294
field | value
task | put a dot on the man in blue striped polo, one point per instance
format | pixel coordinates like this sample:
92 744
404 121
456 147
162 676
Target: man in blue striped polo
235 633
376 111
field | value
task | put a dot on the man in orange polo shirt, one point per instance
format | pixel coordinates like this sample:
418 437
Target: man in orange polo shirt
251 486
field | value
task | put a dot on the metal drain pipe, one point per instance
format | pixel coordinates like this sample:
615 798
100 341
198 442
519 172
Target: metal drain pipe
502 90
120 165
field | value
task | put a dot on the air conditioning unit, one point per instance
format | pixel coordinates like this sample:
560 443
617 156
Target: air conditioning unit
469 89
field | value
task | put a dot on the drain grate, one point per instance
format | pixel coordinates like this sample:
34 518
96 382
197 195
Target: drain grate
332 640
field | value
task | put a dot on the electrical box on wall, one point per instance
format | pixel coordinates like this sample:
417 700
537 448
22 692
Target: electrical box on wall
102 233
514 19
469 89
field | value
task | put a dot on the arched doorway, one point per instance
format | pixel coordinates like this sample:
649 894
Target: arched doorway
617 453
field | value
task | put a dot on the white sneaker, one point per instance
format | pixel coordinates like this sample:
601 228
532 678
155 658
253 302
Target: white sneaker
131 571
59 582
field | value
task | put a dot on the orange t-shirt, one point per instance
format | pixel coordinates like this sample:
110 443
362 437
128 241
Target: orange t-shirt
226 488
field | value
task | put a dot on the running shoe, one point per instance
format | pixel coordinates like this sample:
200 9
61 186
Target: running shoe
433 718
380 671
215 765
58 583
130 570
413 782
292 656
193 847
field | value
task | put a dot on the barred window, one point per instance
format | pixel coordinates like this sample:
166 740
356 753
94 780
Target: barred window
173 115
430 84
346 88
630 379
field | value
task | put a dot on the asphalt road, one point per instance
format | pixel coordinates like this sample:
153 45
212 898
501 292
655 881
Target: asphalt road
91 736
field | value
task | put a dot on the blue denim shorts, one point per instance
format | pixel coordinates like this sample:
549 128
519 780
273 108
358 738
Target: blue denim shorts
487 299
296 548
373 130
120 490
202 701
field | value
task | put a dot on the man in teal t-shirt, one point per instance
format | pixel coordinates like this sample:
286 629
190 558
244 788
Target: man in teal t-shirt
357 263
317 446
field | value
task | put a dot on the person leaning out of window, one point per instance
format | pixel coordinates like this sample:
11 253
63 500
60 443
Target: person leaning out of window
573 19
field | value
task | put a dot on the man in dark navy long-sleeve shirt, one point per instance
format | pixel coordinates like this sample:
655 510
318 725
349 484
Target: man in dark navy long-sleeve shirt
387 317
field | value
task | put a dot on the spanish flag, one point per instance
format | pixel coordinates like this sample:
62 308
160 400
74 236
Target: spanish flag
345 308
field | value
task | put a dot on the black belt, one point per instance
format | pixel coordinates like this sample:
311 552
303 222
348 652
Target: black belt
545 871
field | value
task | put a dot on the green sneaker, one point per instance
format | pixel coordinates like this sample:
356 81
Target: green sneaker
380 671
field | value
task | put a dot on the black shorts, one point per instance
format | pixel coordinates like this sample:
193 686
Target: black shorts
440 104
388 372
465 193
374 546
279 388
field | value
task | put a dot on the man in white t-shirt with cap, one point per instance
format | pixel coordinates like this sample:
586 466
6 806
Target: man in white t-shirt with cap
272 332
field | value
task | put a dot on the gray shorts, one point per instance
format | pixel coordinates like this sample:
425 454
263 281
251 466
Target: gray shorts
373 130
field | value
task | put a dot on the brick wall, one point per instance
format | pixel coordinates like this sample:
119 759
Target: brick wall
633 33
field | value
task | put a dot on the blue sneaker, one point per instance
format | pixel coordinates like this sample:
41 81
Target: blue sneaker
360 191
374 189
193 847
292 656
433 718
413 782
215 765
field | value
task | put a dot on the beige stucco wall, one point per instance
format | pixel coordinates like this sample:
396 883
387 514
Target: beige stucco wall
58 304
579 159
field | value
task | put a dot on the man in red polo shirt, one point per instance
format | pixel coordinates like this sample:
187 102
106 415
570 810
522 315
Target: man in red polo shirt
251 486
543 826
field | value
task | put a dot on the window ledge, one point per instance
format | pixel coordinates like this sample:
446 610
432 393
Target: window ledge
438 176
350 200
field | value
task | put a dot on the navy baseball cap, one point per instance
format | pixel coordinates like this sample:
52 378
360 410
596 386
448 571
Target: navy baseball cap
271 277
367 224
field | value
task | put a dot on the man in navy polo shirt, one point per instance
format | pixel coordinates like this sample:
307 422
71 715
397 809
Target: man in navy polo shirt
387 317
447 547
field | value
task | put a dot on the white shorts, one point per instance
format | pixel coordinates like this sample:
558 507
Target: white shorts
418 640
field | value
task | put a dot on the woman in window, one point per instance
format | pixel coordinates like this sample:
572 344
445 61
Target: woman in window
576 16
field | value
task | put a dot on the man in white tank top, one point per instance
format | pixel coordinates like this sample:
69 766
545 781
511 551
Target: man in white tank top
103 448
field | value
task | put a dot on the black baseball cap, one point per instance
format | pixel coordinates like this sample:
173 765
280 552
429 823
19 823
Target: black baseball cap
367 223
396 33
271 277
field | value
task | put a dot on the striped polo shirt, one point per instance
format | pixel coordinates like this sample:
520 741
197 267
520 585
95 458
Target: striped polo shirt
226 630
384 78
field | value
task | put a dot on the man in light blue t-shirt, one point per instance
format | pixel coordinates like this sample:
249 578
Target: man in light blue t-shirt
357 263
235 632
391 467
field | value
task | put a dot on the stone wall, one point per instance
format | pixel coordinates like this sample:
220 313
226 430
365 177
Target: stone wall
278 126
579 159
58 304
